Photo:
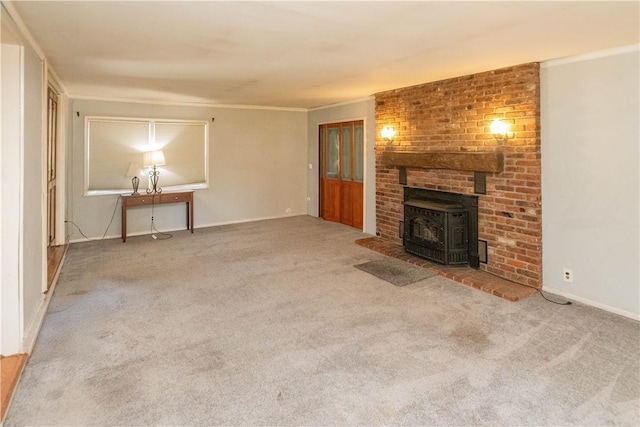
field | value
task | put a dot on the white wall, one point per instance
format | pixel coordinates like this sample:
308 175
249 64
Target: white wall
591 178
34 191
359 110
22 236
10 172
257 161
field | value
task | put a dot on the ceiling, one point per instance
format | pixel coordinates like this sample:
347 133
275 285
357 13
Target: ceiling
304 54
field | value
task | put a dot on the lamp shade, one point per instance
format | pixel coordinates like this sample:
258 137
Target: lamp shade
153 158
134 170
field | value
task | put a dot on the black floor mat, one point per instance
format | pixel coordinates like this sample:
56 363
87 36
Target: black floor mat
396 272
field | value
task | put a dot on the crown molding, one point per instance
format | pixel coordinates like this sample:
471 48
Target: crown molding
591 55
339 104
185 104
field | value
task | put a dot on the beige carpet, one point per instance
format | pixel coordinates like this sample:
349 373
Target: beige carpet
269 323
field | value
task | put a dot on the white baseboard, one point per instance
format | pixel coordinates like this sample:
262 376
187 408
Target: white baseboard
33 330
241 221
213 224
595 304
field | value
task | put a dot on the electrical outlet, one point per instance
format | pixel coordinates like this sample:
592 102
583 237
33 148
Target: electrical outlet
567 275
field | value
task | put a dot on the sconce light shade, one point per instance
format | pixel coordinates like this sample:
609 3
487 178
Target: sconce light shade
500 130
153 158
388 133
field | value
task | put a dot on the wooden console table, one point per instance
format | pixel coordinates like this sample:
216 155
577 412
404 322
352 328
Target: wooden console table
157 199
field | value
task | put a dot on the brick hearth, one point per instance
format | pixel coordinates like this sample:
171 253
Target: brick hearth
477 279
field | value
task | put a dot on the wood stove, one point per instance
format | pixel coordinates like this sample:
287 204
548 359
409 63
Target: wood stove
441 227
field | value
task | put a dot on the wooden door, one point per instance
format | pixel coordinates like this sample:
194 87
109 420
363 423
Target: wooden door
342 172
52 146
52 131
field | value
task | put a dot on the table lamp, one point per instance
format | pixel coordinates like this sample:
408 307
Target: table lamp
132 172
152 159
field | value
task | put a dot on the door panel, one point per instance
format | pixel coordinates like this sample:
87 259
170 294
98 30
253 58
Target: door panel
52 148
345 158
357 203
333 152
330 182
358 153
346 207
52 131
331 198
342 172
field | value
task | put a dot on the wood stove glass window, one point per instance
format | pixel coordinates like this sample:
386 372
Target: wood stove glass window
427 227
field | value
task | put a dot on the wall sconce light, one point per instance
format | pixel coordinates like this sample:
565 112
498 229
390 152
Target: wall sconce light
151 160
500 131
388 133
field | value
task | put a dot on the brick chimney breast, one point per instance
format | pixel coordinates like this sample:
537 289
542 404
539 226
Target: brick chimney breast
453 116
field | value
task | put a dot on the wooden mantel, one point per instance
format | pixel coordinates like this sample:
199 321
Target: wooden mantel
475 161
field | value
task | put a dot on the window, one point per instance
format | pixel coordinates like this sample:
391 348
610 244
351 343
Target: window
112 144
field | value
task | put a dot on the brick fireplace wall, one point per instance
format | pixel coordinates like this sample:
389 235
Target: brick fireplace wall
454 115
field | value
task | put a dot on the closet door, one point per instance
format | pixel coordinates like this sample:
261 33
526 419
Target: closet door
342 172
52 147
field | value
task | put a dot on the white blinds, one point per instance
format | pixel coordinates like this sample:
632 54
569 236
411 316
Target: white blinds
113 143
